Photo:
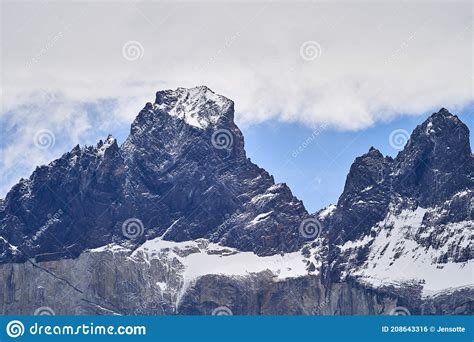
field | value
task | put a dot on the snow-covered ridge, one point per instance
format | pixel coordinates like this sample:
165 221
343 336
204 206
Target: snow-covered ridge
199 107
192 260
102 147
396 256
200 257
327 212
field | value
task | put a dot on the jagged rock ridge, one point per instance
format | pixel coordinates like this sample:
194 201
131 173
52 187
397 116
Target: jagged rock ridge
408 219
183 173
170 173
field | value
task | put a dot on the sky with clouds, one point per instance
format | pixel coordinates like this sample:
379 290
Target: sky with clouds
83 69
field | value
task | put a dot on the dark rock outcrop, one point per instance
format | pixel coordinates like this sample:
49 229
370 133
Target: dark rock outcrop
182 172
182 176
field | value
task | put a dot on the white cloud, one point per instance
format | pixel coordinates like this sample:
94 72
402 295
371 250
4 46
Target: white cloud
378 60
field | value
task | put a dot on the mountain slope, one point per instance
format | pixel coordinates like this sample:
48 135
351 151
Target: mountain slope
177 220
181 173
409 219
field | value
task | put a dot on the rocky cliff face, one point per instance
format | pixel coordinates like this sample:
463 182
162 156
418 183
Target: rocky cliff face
177 220
408 219
198 278
181 173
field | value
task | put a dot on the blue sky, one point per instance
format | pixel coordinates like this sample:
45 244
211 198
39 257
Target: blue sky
318 173
76 72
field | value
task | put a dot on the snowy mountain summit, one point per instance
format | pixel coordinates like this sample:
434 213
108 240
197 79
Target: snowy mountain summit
177 220
199 107
409 220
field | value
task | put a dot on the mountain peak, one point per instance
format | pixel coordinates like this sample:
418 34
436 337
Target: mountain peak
102 146
435 165
374 153
442 129
199 106
442 113
438 154
442 123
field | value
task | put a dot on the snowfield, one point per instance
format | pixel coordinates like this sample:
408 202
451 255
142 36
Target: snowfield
397 258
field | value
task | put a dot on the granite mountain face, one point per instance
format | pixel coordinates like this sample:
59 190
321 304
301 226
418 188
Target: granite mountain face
168 174
213 229
408 220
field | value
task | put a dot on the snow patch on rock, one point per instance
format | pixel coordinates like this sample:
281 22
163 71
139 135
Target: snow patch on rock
396 256
199 107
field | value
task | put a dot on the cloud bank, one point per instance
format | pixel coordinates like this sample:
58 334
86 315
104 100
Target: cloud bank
79 69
